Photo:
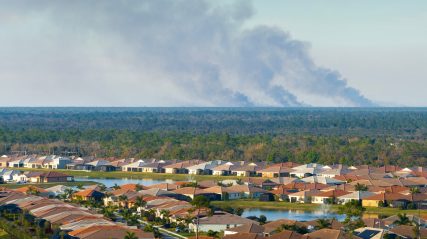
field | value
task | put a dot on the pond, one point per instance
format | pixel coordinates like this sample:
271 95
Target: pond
109 182
299 215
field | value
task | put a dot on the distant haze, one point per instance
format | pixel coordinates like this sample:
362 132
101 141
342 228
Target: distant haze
157 53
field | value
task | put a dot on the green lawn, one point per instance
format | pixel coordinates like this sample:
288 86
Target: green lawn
135 175
305 207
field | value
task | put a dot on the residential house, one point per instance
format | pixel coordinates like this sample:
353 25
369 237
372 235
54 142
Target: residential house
383 199
224 169
354 196
181 167
220 221
4 161
165 186
407 232
57 190
240 235
22 177
333 172
48 177
226 193
10 175
247 191
327 234
328 197
276 170
109 231
264 183
246 170
156 167
57 163
306 170
271 228
135 166
205 168
192 192
88 194
17 163
305 186
246 228
282 193
286 234
303 196
323 180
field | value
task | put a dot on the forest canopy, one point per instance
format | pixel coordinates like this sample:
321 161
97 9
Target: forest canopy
375 136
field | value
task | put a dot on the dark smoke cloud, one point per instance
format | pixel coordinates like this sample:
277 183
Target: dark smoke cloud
157 52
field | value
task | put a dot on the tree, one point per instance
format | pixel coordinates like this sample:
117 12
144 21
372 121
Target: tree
165 216
151 228
262 219
69 193
32 191
323 223
102 187
130 235
198 203
212 233
353 212
361 187
414 190
138 187
293 227
239 211
402 219
115 186
123 199
139 202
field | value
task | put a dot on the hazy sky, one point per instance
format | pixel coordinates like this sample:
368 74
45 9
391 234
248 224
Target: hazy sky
379 46
211 53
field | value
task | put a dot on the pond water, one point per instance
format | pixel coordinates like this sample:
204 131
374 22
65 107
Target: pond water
109 182
299 215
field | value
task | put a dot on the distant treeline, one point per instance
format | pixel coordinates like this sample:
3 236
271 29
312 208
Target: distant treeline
326 135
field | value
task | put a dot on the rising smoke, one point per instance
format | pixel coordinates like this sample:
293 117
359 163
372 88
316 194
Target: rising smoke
158 53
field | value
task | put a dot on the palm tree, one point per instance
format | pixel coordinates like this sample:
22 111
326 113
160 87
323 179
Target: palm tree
115 186
402 219
414 190
32 191
139 202
102 187
123 199
130 235
198 203
138 187
360 187
69 193
323 223
165 215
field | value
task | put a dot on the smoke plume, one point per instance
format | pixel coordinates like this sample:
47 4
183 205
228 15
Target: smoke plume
157 53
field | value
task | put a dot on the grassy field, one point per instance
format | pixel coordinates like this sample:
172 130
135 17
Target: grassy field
134 175
306 207
48 185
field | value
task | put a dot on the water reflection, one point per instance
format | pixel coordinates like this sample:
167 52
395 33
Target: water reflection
109 182
299 215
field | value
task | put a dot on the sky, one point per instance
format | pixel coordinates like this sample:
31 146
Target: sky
213 53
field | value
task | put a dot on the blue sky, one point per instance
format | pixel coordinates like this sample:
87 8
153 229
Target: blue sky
379 46
213 53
